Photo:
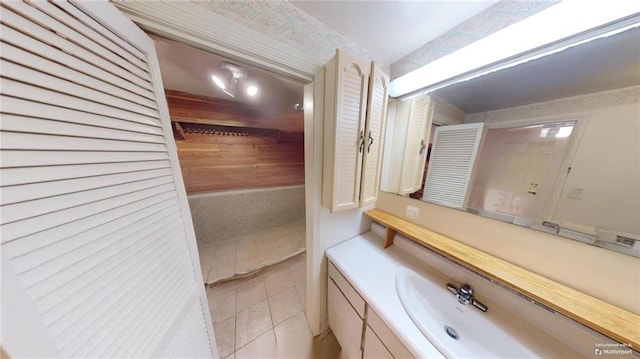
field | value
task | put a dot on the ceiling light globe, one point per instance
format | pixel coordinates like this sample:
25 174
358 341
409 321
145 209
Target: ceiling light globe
252 90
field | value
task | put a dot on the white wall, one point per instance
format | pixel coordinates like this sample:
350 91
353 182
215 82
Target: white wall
606 170
324 229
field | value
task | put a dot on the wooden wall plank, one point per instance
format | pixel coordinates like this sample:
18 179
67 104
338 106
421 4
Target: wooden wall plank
215 162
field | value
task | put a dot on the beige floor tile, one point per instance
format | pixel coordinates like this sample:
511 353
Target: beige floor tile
252 322
301 289
294 339
221 268
277 279
222 306
298 271
250 293
232 356
246 264
220 288
268 256
225 332
263 347
284 305
205 252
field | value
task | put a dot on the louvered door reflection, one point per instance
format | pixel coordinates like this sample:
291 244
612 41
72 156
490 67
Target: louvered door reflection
98 250
451 164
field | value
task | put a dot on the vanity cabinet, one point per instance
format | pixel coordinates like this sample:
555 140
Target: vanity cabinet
345 309
355 108
358 328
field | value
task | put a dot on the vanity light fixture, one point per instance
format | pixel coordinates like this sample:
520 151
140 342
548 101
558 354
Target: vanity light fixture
566 24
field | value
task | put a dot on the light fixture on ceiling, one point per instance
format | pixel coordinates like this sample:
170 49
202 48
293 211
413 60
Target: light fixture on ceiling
252 90
227 79
539 35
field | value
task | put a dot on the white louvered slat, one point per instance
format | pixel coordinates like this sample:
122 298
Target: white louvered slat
16 106
24 141
77 34
34 266
102 43
95 224
49 50
13 176
38 94
25 158
72 205
186 335
24 24
451 164
376 119
30 243
85 338
41 79
23 124
30 192
16 55
90 22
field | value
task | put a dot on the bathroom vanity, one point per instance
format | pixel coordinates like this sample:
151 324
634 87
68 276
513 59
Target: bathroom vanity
394 303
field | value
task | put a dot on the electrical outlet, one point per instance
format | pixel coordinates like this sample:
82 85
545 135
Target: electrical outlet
412 212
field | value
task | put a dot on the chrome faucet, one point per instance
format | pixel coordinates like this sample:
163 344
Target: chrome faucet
464 294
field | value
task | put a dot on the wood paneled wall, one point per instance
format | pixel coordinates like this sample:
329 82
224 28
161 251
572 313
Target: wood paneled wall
225 162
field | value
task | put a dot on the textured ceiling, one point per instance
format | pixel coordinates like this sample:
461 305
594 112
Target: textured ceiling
187 69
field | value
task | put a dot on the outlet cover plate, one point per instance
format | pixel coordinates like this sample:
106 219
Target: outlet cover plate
412 212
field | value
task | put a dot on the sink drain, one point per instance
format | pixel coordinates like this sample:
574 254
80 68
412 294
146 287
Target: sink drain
451 332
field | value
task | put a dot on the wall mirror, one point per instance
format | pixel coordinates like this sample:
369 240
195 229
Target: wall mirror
552 144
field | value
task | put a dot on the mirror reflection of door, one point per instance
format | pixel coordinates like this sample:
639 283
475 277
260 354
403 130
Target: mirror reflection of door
517 168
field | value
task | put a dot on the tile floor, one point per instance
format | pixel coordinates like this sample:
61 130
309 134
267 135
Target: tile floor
263 316
227 259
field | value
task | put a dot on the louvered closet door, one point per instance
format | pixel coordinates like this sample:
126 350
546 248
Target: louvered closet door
375 125
351 101
98 251
451 164
417 141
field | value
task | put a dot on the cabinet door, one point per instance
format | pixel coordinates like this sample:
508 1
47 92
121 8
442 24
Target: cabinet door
344 321
374 131
417 141
346 85
373 347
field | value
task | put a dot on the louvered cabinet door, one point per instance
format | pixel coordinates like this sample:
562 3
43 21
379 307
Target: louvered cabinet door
374 132
417 142
98 251
453 156
346 87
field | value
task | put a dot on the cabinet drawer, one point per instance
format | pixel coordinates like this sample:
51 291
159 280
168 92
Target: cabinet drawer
393 344
352 295
344 321
373 347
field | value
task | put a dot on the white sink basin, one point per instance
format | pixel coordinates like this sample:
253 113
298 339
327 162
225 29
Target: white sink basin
479 334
